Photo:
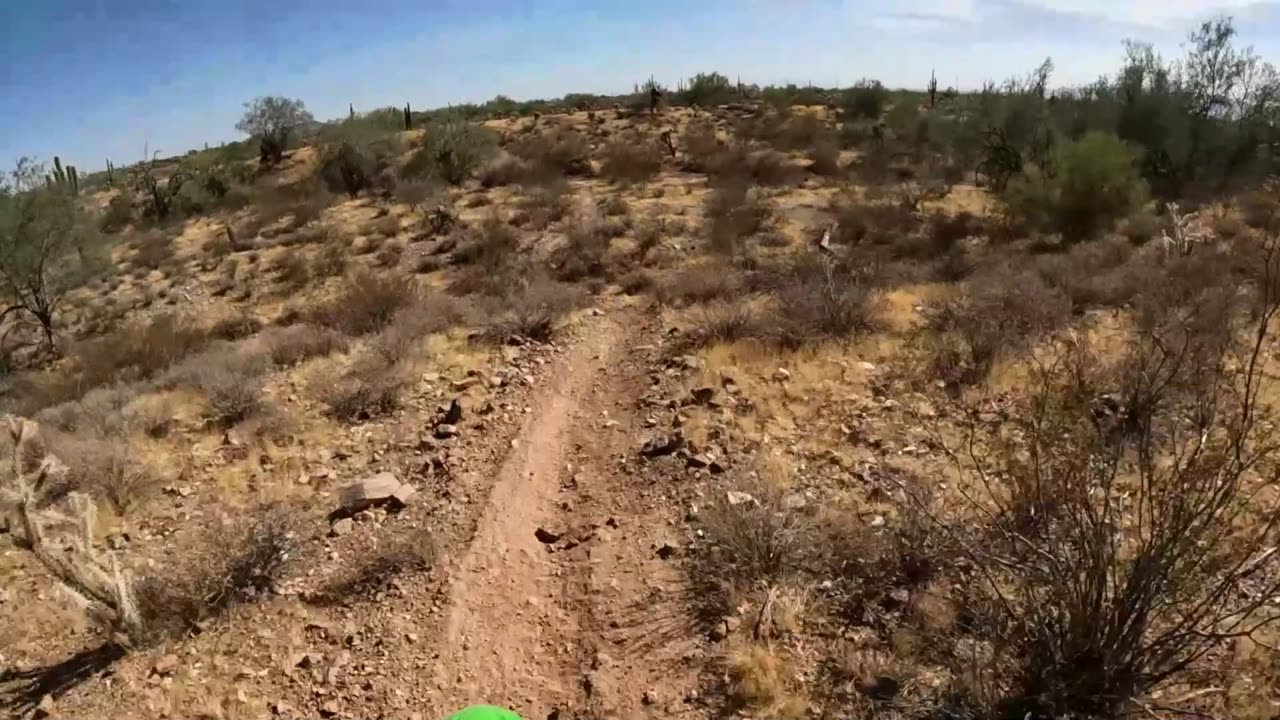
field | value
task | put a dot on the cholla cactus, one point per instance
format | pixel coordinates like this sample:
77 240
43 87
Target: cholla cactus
1187 233
64 544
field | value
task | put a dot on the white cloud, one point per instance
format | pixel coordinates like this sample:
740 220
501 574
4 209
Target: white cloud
1175 14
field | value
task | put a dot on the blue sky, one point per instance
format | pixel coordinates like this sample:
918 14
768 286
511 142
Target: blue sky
96 79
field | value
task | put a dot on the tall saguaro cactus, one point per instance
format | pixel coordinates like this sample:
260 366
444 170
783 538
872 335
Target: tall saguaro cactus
408 118
65 179
111 169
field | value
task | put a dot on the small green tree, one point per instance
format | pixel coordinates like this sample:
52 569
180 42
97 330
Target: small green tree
707 89
272 120
451 150
44 238
866 99
1095 181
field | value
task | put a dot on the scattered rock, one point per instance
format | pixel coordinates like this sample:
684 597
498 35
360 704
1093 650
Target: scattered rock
330 709
882 688
465 383
453 415
444 431
781 375
546 536
794 501
866 366
737 497
689 362
702 395
699 461
650 697
877 521
662 445
281 707
404 495
342 526
166 665
307 661
368 492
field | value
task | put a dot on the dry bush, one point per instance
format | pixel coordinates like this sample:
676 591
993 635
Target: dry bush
699 283
763 167
366 302
1120 537
702 147
490 252
818 299
329 261
375 570
564 152
824 159
293 271
232 387
637 281
227 566
389 255
1105 273
136 352
240 325
218 247
875 223
533 310
631 160
761 680
723 321
548 204
506 169
583 253
291 345
1000 312
735 212
430 314
369 388
155 249
152 414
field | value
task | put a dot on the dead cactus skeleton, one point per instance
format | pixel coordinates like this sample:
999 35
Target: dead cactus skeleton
65 544
1187 233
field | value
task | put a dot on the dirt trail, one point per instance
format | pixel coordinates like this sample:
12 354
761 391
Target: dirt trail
557 629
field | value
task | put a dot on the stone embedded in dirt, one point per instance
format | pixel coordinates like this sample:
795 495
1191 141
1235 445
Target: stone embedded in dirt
781 375
444 431
699 461
877 521
166 665
341 527
689 362
667 551
45 708
737 497
368 492
662 445
650 697
330 709
307 661
281 708
546 536
866 366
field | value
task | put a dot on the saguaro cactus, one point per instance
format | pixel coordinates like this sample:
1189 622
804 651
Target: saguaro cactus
933 89
408 118
65 179
111 178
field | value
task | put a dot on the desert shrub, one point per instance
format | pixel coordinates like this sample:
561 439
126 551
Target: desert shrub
506 169
224 567
329 261
741 164
702 147
637 281
136 352
1095 182
152 414
707 89
389 255
349 168
293 269
370 388
547 204
118 213
583 253
824 159
565 152
875 223
430 314
865 100
366 302
233 394
155 249
1001 312
1096 274
734 213
240 325
630 160
291 345
1260 209
533 310
820 300
272 121
699 283
451 150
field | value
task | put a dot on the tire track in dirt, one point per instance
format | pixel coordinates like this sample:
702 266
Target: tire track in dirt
591 626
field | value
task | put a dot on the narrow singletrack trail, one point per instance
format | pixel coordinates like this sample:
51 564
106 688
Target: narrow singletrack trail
560 607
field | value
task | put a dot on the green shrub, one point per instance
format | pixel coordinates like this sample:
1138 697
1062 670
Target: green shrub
1094 182
866 99
451 150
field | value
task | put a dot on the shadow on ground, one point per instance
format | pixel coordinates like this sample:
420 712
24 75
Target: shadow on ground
22 690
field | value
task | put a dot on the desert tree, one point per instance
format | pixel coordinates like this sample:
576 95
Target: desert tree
272 120
43 242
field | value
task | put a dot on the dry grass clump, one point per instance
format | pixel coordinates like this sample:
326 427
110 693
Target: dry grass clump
430 314
240 325
543 206
561 153
375 570
489 253
631 160
366 302
329 261
724 321
822 300
232 386
583 255
293 269
154 250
